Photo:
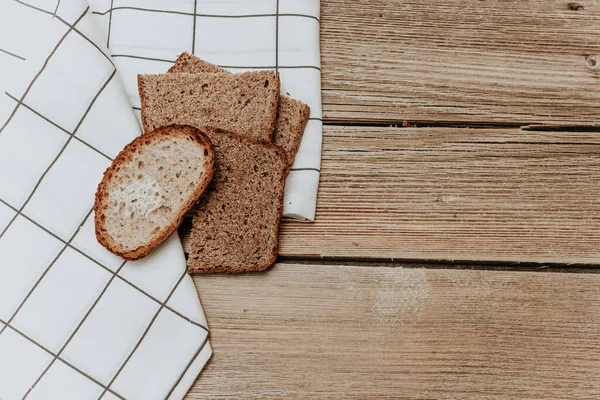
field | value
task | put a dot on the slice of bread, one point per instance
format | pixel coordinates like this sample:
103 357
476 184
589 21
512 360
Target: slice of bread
292 115
149 187
244 103
236 223
194 65
292 118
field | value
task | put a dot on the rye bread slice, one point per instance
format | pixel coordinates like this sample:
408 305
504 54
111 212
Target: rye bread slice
150 186
244 103
194 65
236 222
292 115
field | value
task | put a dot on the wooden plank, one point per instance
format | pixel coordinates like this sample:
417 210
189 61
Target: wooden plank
454 194
301 331
461 61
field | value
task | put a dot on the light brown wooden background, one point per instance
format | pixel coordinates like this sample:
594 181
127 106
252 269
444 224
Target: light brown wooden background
458 221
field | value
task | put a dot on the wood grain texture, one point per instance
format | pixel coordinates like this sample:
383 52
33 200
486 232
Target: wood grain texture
502 195
300 331
461 61
507 195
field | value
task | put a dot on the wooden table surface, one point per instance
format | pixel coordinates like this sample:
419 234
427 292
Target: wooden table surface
458 220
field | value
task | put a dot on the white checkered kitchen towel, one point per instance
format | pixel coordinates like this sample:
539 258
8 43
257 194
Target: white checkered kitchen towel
146 36
77 322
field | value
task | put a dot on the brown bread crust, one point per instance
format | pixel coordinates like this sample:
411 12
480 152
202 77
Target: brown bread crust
124 157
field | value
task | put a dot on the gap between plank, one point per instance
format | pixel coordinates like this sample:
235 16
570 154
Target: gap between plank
467 125
421 124
442 264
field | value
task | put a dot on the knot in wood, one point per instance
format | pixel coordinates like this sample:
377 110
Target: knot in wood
593 61
575 7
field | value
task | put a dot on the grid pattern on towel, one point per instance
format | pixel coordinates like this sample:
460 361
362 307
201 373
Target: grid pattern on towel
146 36
75 321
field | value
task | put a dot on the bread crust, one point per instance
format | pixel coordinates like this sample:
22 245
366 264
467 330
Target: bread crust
258 267
124 157
274 108
143 112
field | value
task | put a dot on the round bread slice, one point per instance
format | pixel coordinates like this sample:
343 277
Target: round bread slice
149 187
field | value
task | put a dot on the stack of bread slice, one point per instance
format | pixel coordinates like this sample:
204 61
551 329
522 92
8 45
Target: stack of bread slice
252 134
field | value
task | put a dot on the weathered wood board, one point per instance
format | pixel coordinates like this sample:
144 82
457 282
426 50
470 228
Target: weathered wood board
334 331
500 195
461 61
313 329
